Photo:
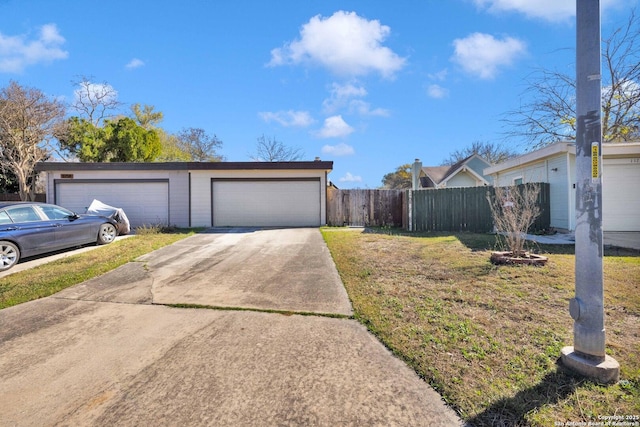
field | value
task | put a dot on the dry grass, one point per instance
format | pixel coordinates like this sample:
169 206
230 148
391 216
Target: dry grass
488 338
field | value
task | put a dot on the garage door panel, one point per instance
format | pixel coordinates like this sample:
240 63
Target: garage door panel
620 197
276 203
142 202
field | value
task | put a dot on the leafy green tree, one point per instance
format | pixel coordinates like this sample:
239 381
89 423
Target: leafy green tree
398 180
121 140
82 139
8 182
146 117
171 148
126 141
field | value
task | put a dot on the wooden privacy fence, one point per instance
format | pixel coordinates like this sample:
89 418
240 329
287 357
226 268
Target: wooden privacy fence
464 209
14 197
447 209
365 208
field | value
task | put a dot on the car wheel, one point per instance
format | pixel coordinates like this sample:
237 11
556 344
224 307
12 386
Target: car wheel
107 233
9 255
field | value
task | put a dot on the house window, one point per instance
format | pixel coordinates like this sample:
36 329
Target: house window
518 181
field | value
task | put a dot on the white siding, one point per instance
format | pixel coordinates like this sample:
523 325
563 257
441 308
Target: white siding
561 193
462 179
189 192
531 173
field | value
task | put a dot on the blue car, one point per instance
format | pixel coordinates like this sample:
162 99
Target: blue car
28 229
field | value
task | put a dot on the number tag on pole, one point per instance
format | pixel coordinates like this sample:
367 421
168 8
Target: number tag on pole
595 163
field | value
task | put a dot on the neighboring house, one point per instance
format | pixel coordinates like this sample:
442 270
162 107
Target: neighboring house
196 194
556 164
468 172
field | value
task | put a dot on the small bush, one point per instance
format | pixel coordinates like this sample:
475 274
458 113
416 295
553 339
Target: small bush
514 210
154 229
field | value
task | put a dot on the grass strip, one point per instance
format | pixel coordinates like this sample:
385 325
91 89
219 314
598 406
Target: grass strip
488 338
260 310
47 279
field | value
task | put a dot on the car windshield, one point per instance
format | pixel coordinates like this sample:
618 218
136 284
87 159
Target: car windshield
56 212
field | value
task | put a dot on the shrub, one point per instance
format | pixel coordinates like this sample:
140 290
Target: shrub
514 210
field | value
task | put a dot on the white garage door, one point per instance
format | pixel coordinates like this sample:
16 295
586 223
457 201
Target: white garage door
144 202
621 196
266 203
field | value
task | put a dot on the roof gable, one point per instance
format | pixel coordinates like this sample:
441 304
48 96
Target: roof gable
473 164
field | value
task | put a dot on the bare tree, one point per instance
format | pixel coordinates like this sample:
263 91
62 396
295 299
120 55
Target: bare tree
514 210
491 152
95 102
272 150
550 115
27 122
198 145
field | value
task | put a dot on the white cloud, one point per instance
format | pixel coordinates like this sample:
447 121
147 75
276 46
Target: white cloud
135 63
342 97
338 150
483 55
348 177
16 52
437 91
345 43
548 10
89 92
364 109
334 127
288 118
625 90
440 75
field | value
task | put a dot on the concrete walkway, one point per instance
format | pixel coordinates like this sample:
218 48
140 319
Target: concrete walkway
111 351
618 239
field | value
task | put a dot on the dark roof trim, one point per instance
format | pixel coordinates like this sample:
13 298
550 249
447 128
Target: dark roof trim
115 166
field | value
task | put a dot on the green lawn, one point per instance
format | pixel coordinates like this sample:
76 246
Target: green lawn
52 277
488 338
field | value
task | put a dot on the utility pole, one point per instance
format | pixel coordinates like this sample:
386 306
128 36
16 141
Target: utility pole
587 355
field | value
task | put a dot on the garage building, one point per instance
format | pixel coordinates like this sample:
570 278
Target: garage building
196 194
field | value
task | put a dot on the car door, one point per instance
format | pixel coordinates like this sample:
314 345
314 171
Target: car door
33 234
70 229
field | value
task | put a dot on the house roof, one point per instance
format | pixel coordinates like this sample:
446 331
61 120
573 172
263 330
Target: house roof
436 173
609 150
440 174
78 166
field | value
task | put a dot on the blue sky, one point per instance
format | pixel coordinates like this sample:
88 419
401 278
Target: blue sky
368 84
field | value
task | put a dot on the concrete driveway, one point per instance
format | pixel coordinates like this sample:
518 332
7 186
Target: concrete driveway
271 343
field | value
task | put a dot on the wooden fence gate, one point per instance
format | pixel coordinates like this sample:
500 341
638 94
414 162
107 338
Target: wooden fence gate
365 208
